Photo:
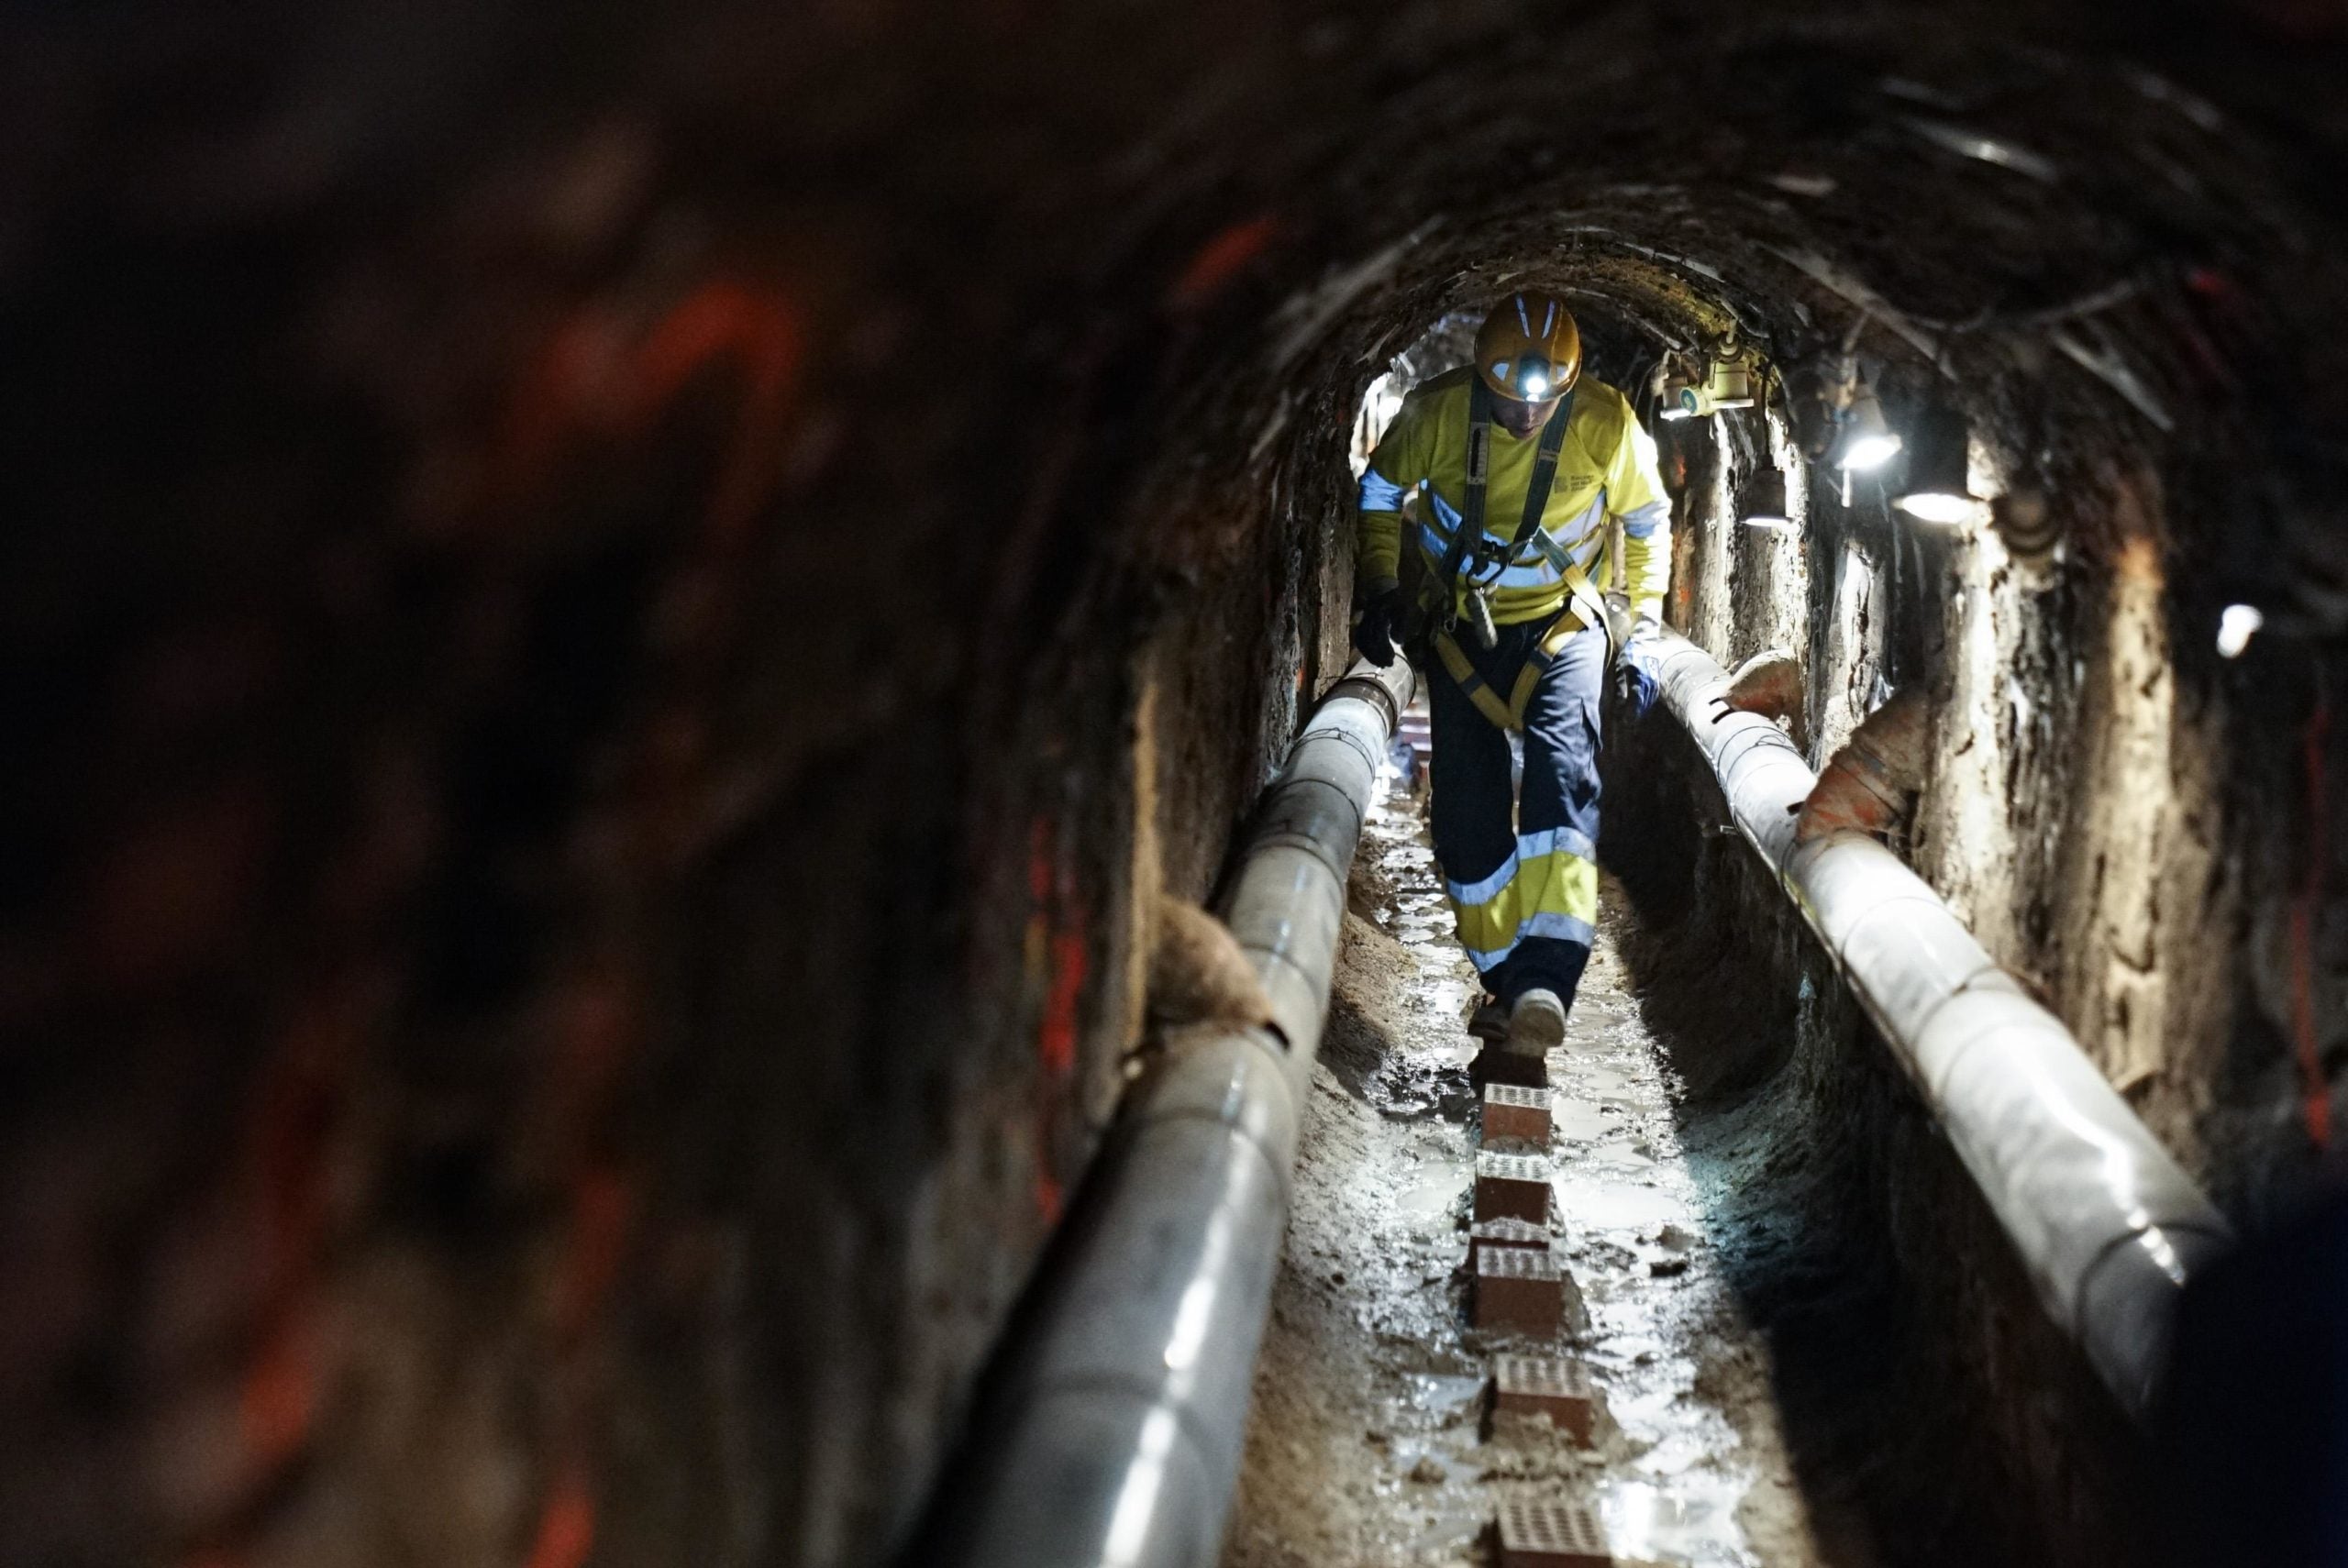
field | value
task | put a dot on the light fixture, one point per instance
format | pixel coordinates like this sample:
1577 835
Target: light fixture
1764 504
1813 403
1678 395
2024 517
1729 386
1937 456
2236 626
1867 441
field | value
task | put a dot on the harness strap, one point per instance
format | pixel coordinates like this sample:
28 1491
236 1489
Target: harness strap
1455 661
1479 471
1580 592
1538 486
1467 540
1508 716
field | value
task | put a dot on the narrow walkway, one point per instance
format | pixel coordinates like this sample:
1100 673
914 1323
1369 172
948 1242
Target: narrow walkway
1369 1447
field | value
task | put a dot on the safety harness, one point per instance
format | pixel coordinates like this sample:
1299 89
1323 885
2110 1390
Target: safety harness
1471 553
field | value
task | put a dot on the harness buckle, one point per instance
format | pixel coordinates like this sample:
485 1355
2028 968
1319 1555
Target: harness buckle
1479 620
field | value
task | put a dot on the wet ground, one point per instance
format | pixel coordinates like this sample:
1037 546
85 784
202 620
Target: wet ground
1371 1444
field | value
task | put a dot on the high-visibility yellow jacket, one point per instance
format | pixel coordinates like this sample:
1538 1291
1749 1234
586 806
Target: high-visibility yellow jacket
1606 469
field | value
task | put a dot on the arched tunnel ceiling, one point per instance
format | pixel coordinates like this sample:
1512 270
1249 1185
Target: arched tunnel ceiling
2009 208
1024 200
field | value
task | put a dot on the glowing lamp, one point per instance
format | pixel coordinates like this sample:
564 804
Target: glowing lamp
1679 396
1764 505
1936 492
2236 626
1868 441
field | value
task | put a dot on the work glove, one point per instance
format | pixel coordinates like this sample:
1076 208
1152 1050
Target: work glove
1379 627
1625 622
1621 621
1634 687
1634 684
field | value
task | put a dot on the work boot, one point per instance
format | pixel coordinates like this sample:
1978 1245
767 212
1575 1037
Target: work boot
1537 1024
1490 1021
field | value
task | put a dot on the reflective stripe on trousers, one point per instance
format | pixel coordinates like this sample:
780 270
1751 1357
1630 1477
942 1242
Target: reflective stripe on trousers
1522 875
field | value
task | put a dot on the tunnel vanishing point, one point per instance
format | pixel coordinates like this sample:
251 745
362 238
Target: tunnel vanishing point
616 620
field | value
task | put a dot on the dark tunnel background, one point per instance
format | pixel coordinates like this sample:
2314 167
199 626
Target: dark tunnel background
611 616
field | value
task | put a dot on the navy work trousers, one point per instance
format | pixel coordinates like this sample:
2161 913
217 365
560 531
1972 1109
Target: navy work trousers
1521 873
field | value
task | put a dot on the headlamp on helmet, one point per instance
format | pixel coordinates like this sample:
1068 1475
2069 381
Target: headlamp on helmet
1530 378
1529 349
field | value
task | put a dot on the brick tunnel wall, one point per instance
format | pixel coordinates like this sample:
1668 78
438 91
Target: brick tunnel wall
609 618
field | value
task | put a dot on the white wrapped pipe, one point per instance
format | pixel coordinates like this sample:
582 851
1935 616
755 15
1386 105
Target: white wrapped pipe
2108 1224
1112 1437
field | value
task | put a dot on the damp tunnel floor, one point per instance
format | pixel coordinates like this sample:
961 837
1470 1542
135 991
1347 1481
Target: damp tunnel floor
1373 1440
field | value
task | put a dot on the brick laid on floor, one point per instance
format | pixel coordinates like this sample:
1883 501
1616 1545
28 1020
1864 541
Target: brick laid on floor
1512 1187
1519 1289
1552 1535
1556 1388
1511 1111
1505 1233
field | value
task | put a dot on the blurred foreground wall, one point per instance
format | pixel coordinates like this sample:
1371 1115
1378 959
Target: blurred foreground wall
608 614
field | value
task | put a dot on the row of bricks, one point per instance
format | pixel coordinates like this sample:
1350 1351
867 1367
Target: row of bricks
1518 1286
1549 1534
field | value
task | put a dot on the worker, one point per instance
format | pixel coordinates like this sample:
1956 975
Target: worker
1522 468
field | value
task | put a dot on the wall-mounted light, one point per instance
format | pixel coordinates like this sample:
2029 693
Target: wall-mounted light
1937 489
1868 441
1730 385
1727 384
2236 626
2025 519
1812 406
1763 504
1678 394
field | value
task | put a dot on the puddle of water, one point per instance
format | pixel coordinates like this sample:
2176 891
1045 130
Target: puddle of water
1431 1198
1436 1392
1693 1520
1570 1121
1614 1207
1444 998
1679 1451
1628 1349
1606 1087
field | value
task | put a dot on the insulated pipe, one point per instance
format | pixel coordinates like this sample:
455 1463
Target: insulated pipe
2107 1223
1112 1439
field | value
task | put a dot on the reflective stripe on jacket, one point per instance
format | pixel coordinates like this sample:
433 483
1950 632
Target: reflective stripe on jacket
1607 469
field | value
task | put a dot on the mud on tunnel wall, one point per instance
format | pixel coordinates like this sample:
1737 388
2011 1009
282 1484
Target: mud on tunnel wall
609 615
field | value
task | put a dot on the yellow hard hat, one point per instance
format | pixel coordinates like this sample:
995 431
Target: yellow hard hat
1529 348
